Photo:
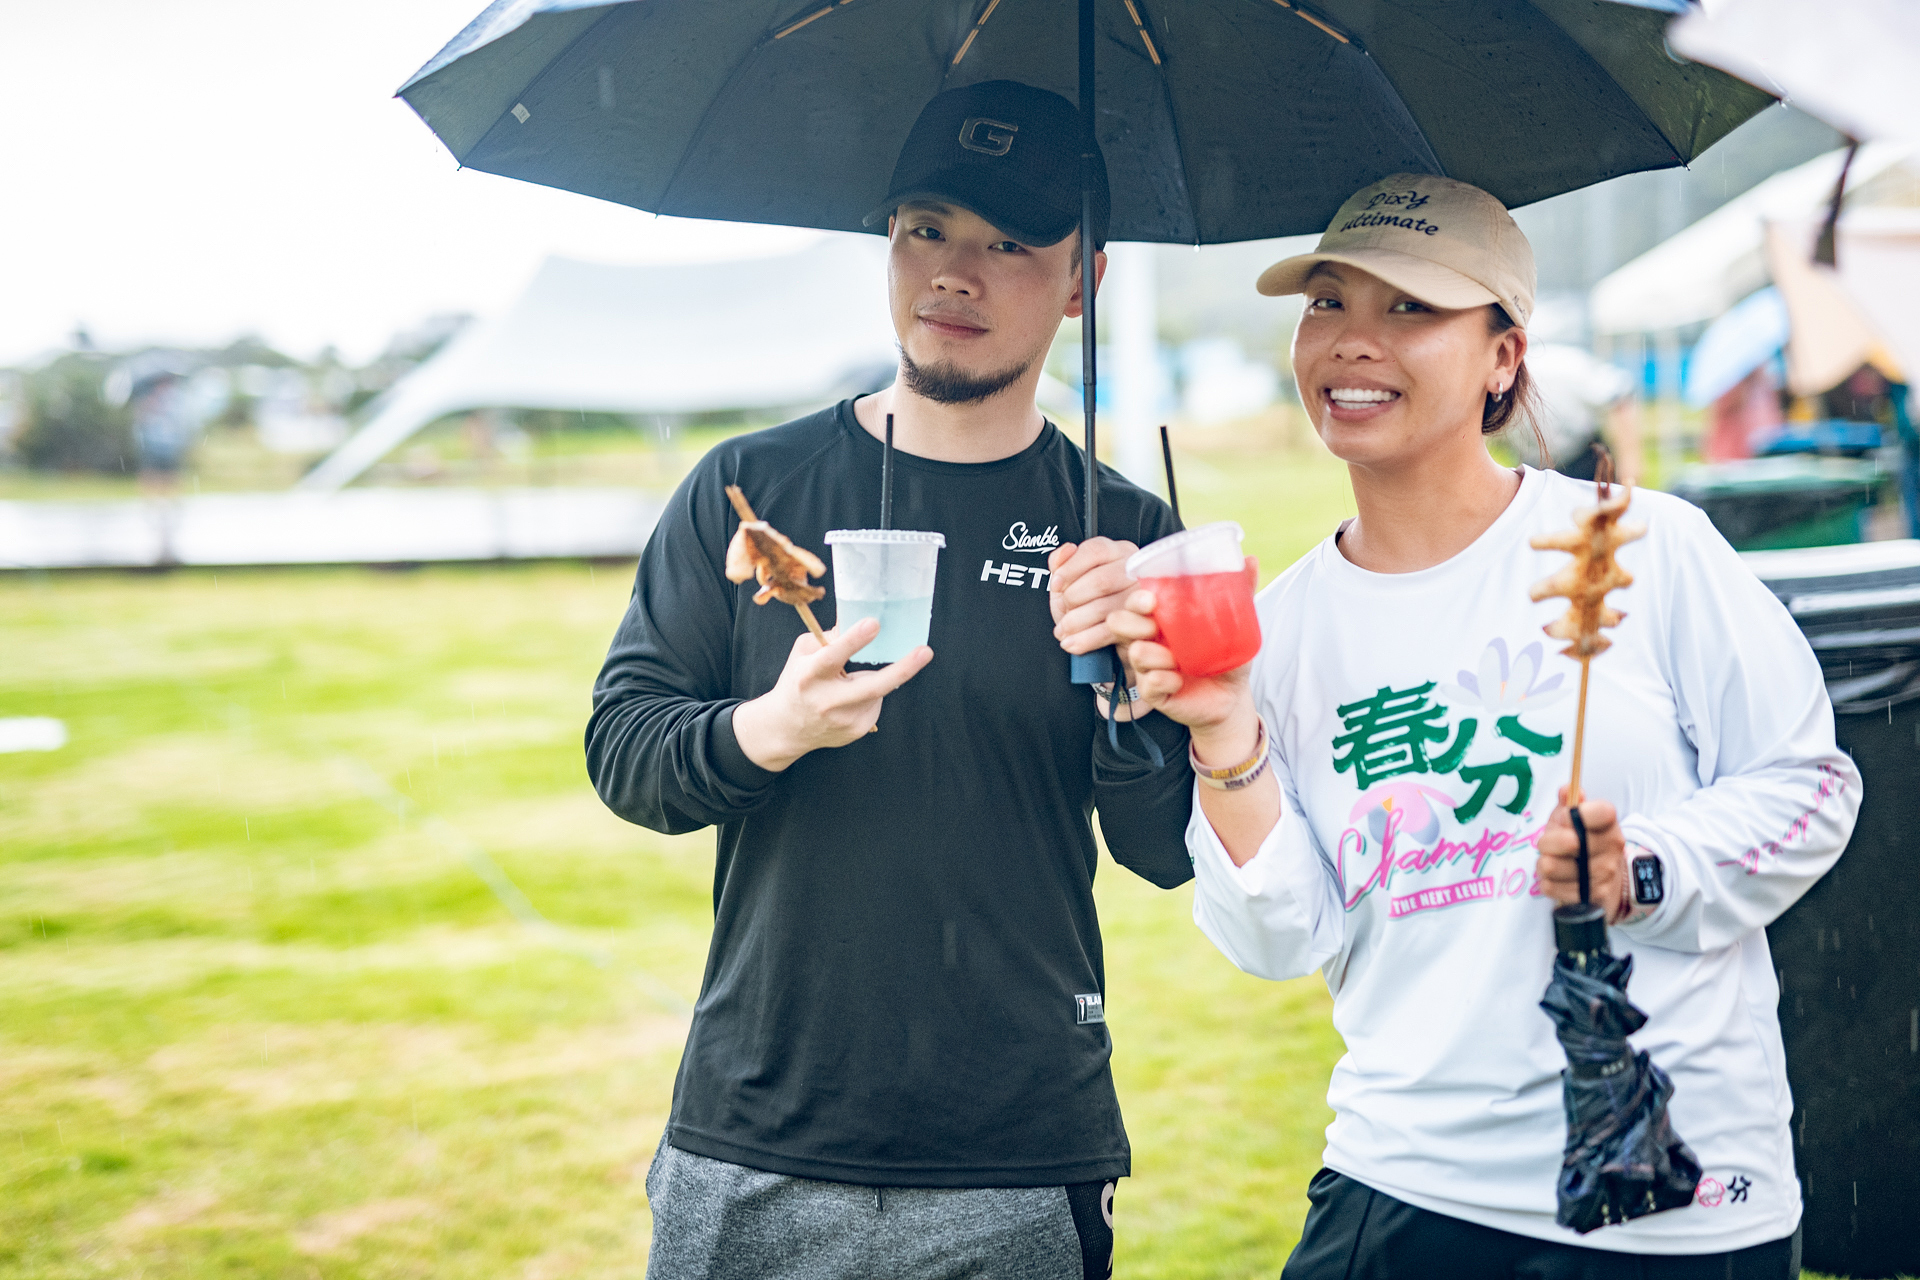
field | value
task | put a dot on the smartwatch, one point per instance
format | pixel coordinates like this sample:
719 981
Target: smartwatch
1648 879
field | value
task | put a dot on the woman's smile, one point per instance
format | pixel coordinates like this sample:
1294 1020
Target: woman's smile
1359 404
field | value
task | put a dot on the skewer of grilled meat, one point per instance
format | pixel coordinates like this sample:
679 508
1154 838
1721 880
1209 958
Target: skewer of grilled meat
762 552
1598 532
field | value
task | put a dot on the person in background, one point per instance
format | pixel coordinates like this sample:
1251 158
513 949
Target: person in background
1582 401
898 1063
1376 793
1745 416
163 429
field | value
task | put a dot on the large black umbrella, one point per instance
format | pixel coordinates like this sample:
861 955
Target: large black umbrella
1220 120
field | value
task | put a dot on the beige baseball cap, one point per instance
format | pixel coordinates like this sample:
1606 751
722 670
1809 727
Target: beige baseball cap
1447 243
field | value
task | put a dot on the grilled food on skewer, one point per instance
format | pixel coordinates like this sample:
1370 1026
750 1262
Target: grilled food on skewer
1598 532
762 552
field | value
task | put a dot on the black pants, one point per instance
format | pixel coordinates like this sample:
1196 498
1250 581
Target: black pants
1092 1206
1356 1233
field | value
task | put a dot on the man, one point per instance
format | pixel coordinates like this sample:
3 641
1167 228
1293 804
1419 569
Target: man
898 1064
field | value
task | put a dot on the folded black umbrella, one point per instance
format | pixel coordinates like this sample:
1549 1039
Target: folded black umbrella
1623 1159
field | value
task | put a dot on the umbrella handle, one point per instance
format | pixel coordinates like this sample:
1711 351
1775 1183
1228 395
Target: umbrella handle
1580 830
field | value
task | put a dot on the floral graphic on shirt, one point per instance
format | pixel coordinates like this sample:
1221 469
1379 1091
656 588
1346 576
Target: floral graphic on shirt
1510 686
1393 735
1401 806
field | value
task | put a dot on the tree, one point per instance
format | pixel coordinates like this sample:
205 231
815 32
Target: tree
70 426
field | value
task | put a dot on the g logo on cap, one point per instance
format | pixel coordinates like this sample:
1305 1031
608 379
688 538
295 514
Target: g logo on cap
988 137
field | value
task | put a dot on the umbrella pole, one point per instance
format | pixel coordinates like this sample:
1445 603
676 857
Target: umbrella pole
1088 668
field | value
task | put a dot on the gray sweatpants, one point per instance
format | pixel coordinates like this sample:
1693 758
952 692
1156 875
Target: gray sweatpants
718 1221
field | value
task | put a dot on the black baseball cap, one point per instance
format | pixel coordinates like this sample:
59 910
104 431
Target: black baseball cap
1006 151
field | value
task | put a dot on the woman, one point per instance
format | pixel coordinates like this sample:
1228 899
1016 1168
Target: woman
1394 754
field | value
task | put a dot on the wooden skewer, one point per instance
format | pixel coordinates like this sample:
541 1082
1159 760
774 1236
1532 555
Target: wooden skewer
1579 735
1599 532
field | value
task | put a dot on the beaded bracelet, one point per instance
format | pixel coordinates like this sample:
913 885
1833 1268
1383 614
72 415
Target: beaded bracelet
1234 777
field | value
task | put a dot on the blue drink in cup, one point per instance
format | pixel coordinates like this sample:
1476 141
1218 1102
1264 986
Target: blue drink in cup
885 574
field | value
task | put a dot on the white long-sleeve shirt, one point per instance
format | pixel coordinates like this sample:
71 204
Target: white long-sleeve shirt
1422 726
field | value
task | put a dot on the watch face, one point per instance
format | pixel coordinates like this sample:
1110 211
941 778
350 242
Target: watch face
1649 882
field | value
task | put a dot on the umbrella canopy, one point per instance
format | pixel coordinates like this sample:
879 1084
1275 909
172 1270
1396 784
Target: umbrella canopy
1735 345
1849 62
1220 120
1623 1159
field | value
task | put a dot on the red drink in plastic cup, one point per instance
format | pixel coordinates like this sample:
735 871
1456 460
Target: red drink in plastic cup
1203 593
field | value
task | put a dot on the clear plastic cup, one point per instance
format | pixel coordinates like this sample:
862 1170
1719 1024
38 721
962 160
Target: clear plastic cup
1203 592
886 574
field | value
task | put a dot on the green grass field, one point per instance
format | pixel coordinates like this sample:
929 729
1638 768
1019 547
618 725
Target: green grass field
319 957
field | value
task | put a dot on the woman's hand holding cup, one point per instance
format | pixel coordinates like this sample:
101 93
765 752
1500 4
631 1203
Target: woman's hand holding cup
1218 710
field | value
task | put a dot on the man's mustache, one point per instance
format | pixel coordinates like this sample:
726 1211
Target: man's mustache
952 313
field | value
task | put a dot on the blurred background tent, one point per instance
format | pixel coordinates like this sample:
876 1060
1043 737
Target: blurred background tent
787 332
1703 271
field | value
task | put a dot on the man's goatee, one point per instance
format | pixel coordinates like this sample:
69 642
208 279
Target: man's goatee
945 383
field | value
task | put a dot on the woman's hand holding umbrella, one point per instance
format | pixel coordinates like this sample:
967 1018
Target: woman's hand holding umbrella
1559 848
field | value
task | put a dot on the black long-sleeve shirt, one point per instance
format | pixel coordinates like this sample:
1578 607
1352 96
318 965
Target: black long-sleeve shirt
903 925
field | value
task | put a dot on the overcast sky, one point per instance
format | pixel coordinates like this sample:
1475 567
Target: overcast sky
185 171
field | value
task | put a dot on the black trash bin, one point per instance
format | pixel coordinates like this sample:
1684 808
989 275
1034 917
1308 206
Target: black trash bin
1848 954
1759 504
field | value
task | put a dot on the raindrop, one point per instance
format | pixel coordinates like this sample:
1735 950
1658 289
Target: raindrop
1913 1033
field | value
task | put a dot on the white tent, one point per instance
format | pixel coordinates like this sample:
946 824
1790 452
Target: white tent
766 333
1713 264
